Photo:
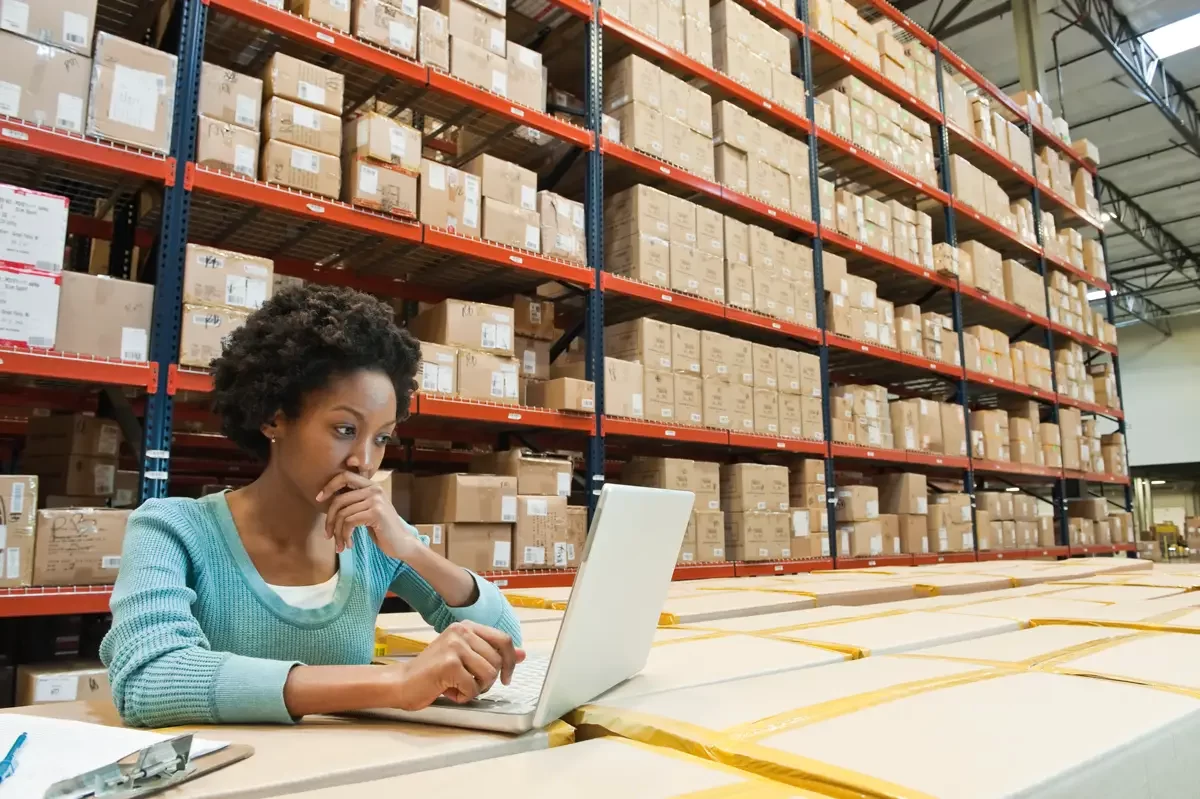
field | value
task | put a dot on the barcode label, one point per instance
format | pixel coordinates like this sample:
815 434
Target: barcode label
16 500
502 555
311 93
535 556
110 562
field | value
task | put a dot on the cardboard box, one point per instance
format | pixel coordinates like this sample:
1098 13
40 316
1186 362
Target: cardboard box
623 385
302 82
127 488
541 522
132 104
66 473
230 96
450 198
633 79
224 278
432 536
511 226
706 484
397 487
536 475
571 551
433 48
534 358
474 325
62 681
438 372
380 187
685 350
104 317
504 181
33 231
204 331
688 392
913 534
299 168
18 506
754 486
659 395
465 498
72 434
642 128
526 81
67 24
904 493
857 503
865 538
45 85
678 474
381 138
563 232
226 147
488 377
333 13
480 547
78 546
563 394
387 25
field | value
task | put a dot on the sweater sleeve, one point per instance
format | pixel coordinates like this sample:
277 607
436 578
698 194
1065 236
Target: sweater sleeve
490 608
161 668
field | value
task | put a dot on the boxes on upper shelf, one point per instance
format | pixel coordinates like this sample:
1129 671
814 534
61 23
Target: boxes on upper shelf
19 495
477 65
33 229
473 498
78 546
301 82
220 277
474 325
66 24
132 93
449 198
299 124
44 85
104 317
226 147
204 331
380 187
433 47
387 24
300 168
230 96
28 305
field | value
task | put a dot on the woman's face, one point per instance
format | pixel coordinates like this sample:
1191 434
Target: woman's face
345 426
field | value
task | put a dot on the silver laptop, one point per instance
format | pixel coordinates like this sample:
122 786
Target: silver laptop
609 623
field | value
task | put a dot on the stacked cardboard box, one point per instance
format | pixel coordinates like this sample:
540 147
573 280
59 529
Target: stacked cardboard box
220 289
810 519
757 520
1031 365
382 161
990 127
562 227
1088 522
990 435
509 203
47 81
754 54
30 265
1091 455
467 351
74 456
104 317
1054 171
704 541
392 26
476 514
450 199
753 158
227 133
853 310
1104 385
992 348
860 415
904 505
78 546
1070 427
859 531
1093 259
661 115
1022 211
909 334
981 192
912 234
19 503
542 538
302 126
59 681
948 525
781 277
939 340
879 125
1070 372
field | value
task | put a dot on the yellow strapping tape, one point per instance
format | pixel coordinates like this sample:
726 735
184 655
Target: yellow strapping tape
1158 686
402 645
748 786
925 590
1124 625
851 652
560 733
808 625
1049 660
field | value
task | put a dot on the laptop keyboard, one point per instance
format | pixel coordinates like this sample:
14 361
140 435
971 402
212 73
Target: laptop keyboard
521 695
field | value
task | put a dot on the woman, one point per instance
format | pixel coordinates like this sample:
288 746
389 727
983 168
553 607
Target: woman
259 605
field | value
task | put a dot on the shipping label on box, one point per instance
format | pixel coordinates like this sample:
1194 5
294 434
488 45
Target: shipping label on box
302 82
132 94
33 228
221 277
105 317
43 84
230 97
226 147
204 331
78 546
29 301
300 168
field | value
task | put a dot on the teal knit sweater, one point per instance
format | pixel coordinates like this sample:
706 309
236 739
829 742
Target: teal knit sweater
199 638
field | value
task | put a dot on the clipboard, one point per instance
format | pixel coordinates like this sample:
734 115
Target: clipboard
149 771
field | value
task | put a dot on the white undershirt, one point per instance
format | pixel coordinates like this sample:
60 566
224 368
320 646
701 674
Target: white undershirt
307 597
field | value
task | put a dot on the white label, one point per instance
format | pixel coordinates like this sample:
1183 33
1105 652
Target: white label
134 343
872 408
14 16
875 545
110 562
512 386
799 523
244 159
528 198
471 187
429 376
968 540
487 336
256 293
75 29
14 564
134 100
305 117
103 479
401 35
966 513
311 93
533 238
529 362
16 500
688 557
497 39
368 179
508 509
922 506
10 98
409 7
500 82
306 160
565 243
561 559
502 554
437 176
55 688
535 556
3 536
872 508
564 484
538 507
246 111
437 533
398 143
924 546
636 405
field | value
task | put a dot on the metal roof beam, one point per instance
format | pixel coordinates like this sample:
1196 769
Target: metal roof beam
1135 221
1131 301
1116 35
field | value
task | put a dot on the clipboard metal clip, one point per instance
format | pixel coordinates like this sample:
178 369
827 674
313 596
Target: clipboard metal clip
157 767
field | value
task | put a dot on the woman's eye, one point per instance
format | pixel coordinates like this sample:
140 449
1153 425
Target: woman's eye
384 439
345 430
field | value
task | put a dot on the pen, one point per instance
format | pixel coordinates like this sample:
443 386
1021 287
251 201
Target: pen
8 765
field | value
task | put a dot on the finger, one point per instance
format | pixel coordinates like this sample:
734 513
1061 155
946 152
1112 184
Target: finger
337 505
342 480
463 683
485 650
483 672
502 643
362 518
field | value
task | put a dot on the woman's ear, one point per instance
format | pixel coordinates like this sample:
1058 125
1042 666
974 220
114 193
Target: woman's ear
274 427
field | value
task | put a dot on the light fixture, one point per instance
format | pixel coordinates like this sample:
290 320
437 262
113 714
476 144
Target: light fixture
1095 294
1178 37
1012 490
1158 482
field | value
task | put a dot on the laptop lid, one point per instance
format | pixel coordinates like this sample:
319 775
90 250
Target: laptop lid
617 597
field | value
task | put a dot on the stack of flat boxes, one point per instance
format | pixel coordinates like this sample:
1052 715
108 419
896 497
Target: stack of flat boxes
1093 259
1087 522
1070 428
925 425
990 435
912 234
382 161
1031 365
476 514
851 305
807 497
509 203
861 416
661 115
923 65
1090 453
782 277
948 526
227 133
758 160
541 534
939 340
755 55
993 351
1104 385
757 518
467 351
302 126
1070 373
667 396
904 506
879 125
859 531
704 541
1010 521
1112 450
220 289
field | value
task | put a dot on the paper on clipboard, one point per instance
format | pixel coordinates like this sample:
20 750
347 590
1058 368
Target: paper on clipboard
57 749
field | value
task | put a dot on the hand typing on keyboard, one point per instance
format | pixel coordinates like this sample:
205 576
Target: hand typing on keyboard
461 663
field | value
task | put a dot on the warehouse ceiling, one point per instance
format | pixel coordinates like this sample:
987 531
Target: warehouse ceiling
1140 152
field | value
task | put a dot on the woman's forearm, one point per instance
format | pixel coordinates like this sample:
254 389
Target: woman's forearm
339 689
453 583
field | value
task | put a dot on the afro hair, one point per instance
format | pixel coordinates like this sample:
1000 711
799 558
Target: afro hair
298 342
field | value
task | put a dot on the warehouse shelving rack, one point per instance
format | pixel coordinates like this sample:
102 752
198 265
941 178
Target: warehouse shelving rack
309 237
